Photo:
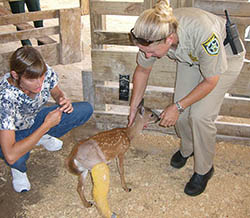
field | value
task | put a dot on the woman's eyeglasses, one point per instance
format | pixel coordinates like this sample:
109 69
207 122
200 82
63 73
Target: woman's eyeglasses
142 41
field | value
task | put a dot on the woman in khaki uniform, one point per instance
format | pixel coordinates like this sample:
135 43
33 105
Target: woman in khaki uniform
205 71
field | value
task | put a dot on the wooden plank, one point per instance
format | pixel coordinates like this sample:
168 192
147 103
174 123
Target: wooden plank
233 129
28 16
25 26
106 66
242 84
70 35
112 38
49 52
188 3
149 3
4 11
97 22
247 47
160 97
84 5
123 38
235 106
155 97
28 34
117 8
88 87
9 0
240 20
4 60
234 8
110 119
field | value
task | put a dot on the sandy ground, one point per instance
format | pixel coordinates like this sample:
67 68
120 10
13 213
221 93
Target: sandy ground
157 188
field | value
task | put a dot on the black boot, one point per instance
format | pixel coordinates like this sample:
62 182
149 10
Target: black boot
178 161
197 184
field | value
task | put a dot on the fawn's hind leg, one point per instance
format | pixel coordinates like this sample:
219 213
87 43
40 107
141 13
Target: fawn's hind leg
80 188
100 176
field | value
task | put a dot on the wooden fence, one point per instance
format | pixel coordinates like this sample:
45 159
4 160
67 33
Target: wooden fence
108 63
65 51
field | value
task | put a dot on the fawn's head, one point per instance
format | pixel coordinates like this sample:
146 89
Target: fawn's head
145 115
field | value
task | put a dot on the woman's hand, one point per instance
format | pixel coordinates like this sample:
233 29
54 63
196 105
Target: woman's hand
131 116
169 116
65 105
53 118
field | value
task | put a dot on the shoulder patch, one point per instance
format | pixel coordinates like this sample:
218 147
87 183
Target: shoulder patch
212 45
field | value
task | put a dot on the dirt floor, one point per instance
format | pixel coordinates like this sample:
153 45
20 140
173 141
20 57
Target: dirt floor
157 188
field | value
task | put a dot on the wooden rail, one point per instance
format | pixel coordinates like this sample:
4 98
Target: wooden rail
84 5
65 51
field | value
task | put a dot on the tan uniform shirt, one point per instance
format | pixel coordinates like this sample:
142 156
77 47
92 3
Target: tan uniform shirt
201 36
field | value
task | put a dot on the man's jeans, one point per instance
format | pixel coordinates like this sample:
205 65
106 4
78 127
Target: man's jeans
81 114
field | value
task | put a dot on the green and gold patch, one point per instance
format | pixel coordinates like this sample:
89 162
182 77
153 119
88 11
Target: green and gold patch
212 45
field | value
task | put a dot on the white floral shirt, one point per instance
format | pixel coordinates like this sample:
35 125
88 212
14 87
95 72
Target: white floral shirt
18 110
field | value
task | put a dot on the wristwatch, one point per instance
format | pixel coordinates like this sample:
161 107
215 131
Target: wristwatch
179 107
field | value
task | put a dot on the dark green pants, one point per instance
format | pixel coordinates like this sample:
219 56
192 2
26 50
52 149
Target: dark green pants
32 5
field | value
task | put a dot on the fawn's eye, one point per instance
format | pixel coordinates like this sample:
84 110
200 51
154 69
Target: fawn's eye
152 115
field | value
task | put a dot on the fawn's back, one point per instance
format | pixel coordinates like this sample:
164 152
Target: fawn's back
112 142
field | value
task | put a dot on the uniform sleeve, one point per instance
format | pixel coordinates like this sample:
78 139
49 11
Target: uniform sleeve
212 56
143 61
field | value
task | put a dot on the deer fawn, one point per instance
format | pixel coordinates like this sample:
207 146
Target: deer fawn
94 153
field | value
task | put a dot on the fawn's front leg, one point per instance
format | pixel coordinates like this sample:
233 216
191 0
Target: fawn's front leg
121 171
80 189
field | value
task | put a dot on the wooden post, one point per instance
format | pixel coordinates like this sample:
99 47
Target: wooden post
84 5
88 88
189 3
149 4
97 22
70 35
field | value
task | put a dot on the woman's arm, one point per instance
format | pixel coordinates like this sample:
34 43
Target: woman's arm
140 80
61 100
13 150
170 115
200 91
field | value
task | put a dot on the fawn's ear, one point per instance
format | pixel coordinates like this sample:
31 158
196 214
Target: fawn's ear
141 103
141 110
140 107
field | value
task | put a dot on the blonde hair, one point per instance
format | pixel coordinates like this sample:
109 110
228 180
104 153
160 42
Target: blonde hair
156 23
26 61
